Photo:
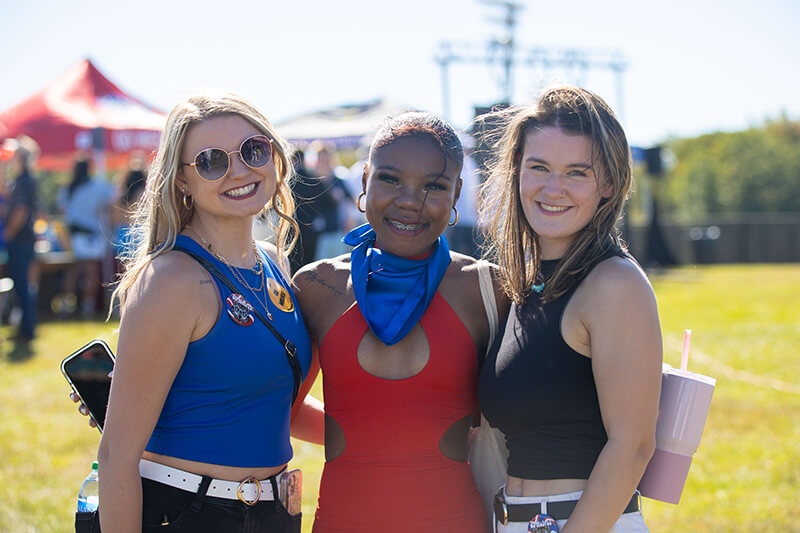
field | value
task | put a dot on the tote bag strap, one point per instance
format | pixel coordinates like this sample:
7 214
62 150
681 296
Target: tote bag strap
489 301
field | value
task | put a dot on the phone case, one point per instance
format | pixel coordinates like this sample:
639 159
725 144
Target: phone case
76 388
291 490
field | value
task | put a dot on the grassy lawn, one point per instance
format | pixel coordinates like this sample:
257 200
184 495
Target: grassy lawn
745 476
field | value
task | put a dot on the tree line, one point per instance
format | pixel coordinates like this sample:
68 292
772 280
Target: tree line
755 170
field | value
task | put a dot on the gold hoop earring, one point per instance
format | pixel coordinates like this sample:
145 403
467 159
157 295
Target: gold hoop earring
188 201
358 202
453 223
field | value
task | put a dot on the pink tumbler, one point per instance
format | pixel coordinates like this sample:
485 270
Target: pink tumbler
682 413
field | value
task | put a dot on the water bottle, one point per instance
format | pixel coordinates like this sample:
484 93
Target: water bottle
88 496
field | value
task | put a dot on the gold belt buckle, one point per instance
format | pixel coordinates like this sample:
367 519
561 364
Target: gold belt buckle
240 495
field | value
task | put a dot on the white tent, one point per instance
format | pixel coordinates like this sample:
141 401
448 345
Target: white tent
345 126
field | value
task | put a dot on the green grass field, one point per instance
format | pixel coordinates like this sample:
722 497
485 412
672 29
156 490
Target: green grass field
745 476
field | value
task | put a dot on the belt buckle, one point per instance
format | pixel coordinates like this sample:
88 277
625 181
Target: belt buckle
500 508
240 495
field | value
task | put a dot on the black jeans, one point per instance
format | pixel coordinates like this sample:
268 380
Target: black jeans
173 510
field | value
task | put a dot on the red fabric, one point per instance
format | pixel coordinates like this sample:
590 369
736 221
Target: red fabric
62 116
392 477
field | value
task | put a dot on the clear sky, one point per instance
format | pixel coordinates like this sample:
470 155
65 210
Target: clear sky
694 66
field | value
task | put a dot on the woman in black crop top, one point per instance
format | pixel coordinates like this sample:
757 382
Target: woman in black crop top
574 379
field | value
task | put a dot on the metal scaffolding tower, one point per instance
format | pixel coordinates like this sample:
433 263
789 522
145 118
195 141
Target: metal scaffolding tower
501 50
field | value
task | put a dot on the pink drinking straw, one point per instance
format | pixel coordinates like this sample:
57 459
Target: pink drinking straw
687 339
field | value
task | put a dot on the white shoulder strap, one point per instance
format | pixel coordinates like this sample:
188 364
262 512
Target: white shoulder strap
487 294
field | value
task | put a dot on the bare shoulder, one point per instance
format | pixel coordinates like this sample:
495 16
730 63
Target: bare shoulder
464 266
272 252
618 280
325 275
170 279
324 292
460 282
465 270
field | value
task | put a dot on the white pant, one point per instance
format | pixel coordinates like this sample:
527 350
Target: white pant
627 523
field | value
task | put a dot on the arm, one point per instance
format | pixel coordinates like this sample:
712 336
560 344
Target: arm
308 414
154 333
313 284
621 318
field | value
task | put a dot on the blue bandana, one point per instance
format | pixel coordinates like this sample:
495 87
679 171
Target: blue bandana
393 292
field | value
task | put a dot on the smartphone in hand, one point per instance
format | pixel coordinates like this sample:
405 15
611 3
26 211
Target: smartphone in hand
88 372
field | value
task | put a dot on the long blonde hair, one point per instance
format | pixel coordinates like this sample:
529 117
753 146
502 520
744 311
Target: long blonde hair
511 242
160 214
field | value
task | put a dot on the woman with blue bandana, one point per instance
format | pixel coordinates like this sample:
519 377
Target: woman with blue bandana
401 326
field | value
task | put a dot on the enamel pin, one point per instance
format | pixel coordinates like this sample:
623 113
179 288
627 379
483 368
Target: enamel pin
279 296
542 523
239 309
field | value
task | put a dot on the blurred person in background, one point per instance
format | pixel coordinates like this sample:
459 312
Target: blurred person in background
462 235
334 204
18 232
129 189
86 202
304 190
6 153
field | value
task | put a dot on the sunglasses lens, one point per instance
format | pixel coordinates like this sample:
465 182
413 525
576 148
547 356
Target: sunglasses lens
212 164
256 151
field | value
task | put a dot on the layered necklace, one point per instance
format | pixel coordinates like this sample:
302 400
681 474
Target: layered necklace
257 270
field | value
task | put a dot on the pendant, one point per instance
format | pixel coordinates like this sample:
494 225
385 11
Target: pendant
239 309
542 523
538 288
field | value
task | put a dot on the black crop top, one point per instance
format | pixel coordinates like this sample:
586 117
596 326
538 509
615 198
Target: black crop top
541 394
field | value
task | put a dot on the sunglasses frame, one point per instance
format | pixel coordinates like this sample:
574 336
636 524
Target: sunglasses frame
228 154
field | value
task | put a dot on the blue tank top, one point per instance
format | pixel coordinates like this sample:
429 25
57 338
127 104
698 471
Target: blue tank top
231 399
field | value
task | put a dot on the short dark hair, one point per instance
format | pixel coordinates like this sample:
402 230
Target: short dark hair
420 124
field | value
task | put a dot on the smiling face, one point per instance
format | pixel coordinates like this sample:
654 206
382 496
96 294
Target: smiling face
411 189
559 187
244 191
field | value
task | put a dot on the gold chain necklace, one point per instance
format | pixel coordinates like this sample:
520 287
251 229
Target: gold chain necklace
258 270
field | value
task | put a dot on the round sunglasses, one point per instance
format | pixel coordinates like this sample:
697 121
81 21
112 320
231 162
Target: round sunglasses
214 163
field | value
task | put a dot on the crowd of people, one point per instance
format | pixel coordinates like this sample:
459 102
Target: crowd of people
555 338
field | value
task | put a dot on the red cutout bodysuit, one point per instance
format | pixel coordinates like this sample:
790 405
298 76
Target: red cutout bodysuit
391 476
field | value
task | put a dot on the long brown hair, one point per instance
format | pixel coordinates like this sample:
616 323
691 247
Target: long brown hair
511 242
161 215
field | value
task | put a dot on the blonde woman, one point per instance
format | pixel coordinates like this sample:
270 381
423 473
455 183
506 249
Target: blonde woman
574 380
198 419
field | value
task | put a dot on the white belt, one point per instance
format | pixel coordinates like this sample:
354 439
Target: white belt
249 491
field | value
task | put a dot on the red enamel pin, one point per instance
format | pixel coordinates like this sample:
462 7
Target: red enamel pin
239 309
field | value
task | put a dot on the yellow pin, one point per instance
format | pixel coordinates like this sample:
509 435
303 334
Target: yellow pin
279 296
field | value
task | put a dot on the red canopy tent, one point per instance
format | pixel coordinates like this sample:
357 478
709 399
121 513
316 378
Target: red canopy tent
83 110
